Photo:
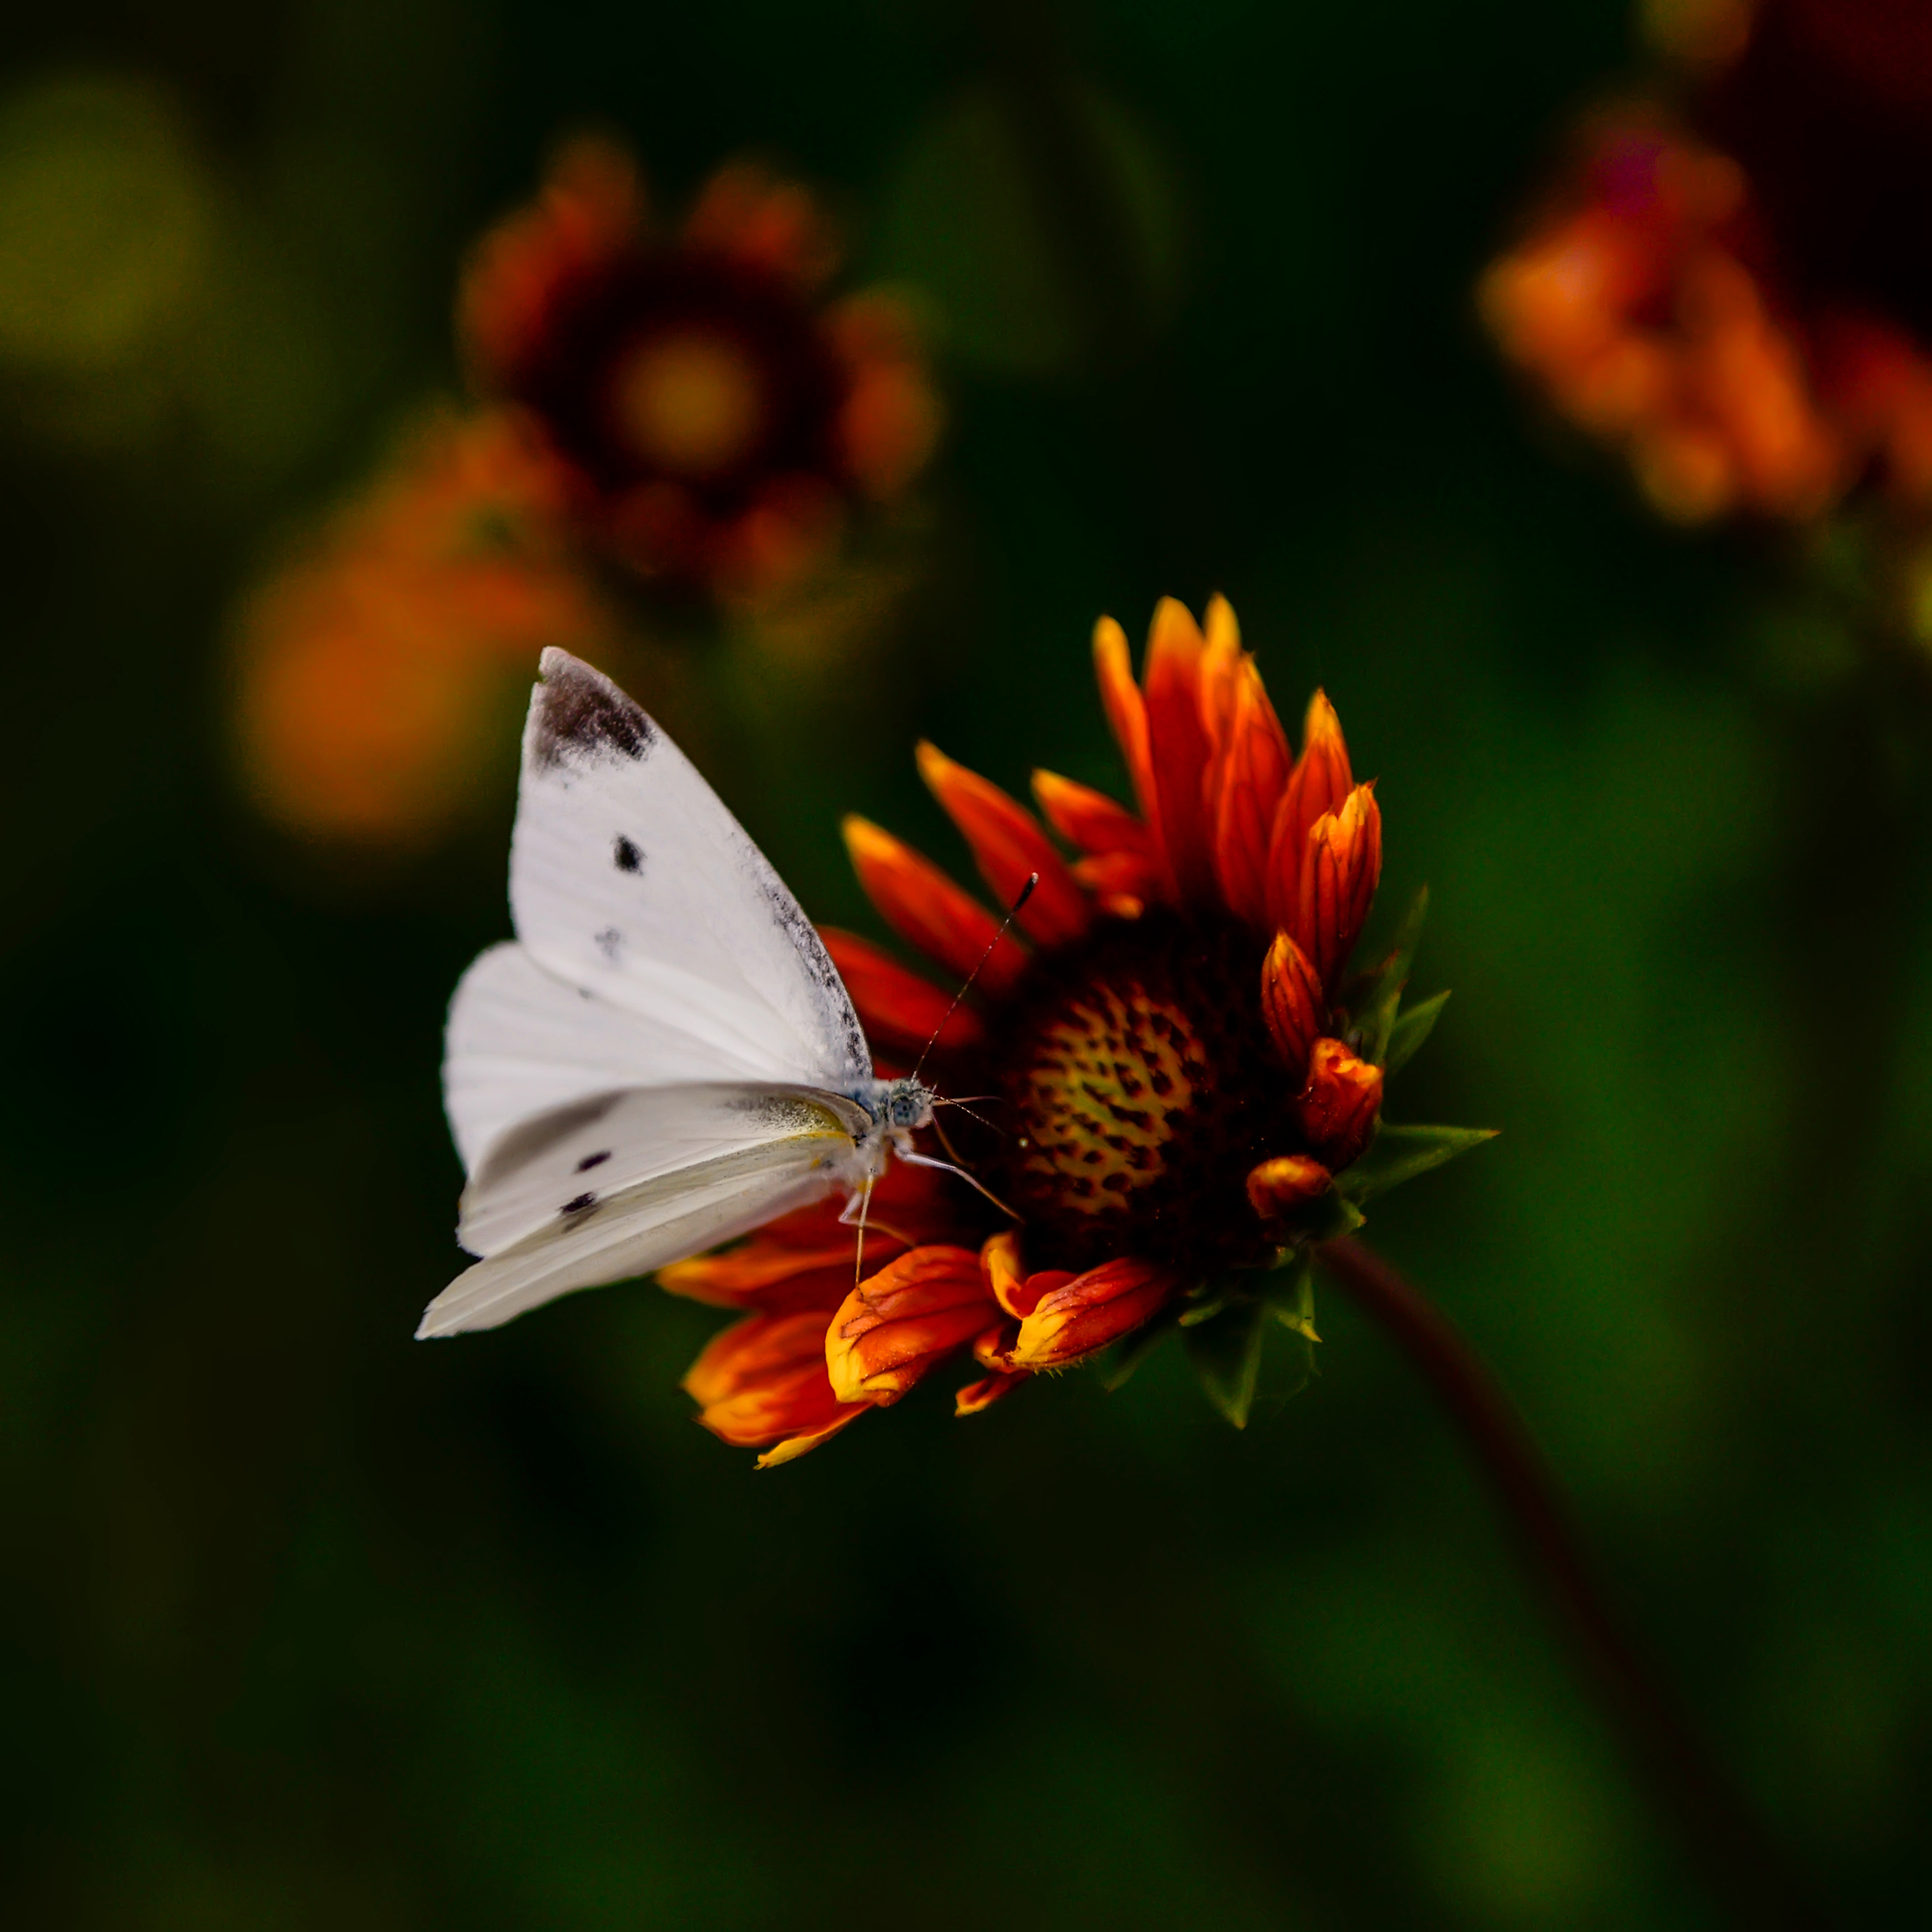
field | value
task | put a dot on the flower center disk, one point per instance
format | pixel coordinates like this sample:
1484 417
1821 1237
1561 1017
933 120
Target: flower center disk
689 402
1141 1087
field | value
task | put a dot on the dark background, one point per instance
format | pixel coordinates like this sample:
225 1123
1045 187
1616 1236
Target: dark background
305 1625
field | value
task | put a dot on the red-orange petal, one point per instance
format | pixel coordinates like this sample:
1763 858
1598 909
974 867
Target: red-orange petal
898 1007
903 1320
773 225
1113 877
927 910
795 1446
983 1395
1087 818
1318 783
1221 661
1008 1283
1085 1314
1252 772
1127 713
1339 874
993 1347
1178 746
756 1268
763 1381
1008 844
591 209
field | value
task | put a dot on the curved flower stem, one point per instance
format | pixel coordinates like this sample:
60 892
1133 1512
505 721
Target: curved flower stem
1745 1871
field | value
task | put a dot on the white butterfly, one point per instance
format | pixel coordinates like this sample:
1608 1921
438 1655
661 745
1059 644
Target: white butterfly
664 1056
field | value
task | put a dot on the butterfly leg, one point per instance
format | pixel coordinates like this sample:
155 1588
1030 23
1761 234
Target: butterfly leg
860 1199
946 1167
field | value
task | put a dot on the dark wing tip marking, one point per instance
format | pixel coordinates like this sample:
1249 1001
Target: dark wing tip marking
591 1160
583 1204
629 857
578 716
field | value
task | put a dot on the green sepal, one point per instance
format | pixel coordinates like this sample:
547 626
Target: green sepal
1206 1304
1227 1357
1399 1153
1291 1300
1375 1009
1291 1303
1117 1366
1327 1218
1412 1028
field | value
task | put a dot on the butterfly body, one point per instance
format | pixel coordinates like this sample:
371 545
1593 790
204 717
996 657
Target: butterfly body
664 1056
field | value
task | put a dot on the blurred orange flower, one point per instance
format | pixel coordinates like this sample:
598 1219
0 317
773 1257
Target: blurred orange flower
373 664
715 414
1735 293
1176 1081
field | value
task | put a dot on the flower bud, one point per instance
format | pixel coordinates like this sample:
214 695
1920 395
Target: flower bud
1291 1002
910 1315
1279 1186
1336 1110
1083 1314
1339 873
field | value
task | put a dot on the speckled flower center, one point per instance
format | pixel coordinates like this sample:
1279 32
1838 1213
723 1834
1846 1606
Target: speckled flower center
1142 1086
1110 1082
688 402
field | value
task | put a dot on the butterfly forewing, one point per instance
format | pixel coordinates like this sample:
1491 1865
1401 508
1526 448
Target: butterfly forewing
629 878
521 1042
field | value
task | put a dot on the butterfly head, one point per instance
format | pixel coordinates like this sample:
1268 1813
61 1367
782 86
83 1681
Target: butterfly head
903 1105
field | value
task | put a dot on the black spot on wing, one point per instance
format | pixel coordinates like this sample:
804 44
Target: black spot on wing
535 1138
583 1204
581 718
591 1160
630 858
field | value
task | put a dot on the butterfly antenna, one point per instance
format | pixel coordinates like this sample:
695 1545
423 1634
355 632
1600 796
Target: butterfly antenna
964 1107
1026 892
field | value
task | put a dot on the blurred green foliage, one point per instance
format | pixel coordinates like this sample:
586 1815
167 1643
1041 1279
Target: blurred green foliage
306 1626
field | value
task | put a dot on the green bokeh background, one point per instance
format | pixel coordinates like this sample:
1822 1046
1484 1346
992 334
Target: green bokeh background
305 1625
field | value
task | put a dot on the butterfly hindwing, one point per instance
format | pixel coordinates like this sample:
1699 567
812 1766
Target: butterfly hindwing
563 1162
620 1184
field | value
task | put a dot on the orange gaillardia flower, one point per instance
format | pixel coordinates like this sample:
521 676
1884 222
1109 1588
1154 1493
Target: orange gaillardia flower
1179 1080
717 416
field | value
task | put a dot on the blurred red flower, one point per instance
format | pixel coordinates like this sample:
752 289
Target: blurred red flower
715 413
1733 290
